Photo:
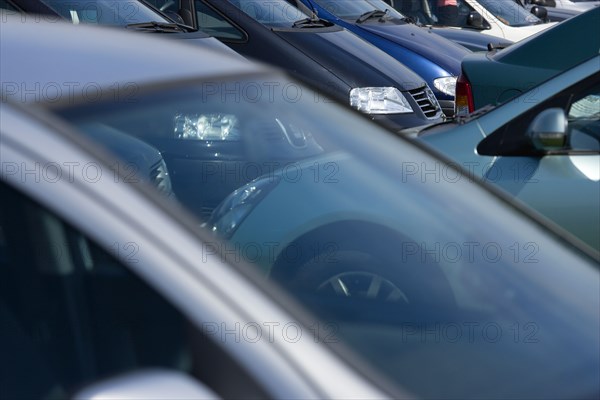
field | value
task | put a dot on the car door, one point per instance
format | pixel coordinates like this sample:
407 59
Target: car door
563 183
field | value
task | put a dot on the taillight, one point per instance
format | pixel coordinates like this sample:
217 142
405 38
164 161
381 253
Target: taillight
464 97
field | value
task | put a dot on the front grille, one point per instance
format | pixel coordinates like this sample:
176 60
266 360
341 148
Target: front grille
159 176
426 101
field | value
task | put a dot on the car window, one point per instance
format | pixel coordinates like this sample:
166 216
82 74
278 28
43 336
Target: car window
215 24
510 13
71 313
581 106
424 274
104 12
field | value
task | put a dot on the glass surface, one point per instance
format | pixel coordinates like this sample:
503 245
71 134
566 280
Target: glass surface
510 13
436 282
352 9
274 13
105 12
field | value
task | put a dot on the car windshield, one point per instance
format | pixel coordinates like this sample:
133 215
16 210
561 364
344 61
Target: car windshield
433 280
353 9
105 12
510 13
273 13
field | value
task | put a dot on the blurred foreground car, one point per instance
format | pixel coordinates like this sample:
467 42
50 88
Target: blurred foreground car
526 64
542 147
99 281
432 279
316 52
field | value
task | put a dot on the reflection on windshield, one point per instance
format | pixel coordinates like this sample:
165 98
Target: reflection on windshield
104 12
274 13
352 9
430 278
510 13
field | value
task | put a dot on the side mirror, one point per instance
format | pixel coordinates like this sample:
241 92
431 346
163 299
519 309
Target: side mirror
548 130
475 20
174 16
147 384
540 12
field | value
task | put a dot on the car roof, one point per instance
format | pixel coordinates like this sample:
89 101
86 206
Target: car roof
53 61
560 47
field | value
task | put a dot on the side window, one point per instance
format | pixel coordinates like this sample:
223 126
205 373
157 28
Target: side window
584 120
581 104
71 313
215 24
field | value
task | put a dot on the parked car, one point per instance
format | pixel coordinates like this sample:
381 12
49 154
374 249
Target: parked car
526 64
434 58
211 153
543 148
500 18
132 14
108 279
341 65
427 13
553 14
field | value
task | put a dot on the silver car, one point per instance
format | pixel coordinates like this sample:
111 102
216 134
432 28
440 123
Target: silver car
434 283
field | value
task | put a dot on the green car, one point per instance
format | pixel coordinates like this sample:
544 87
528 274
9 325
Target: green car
501 75
543 148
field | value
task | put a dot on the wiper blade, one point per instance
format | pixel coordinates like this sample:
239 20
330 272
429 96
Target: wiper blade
311 23
156 26
371 15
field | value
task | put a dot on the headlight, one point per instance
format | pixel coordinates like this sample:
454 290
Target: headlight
446 85
159 176
379 100
227 217
223 127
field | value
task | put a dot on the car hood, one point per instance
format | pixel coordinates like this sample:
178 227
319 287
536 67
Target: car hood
424 42
471 39
202 40
354 61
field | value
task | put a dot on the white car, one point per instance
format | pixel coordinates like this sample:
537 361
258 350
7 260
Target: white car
504 18
577 5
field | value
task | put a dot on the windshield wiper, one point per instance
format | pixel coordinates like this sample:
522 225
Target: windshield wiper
371 15
155 26
311 23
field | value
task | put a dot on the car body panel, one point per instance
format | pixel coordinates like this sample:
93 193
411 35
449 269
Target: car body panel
308 55
500 29
548 183
532 61
429 55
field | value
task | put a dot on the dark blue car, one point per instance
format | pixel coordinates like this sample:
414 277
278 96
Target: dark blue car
431 56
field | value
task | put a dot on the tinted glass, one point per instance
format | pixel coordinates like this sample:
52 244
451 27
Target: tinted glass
510 13
275 13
